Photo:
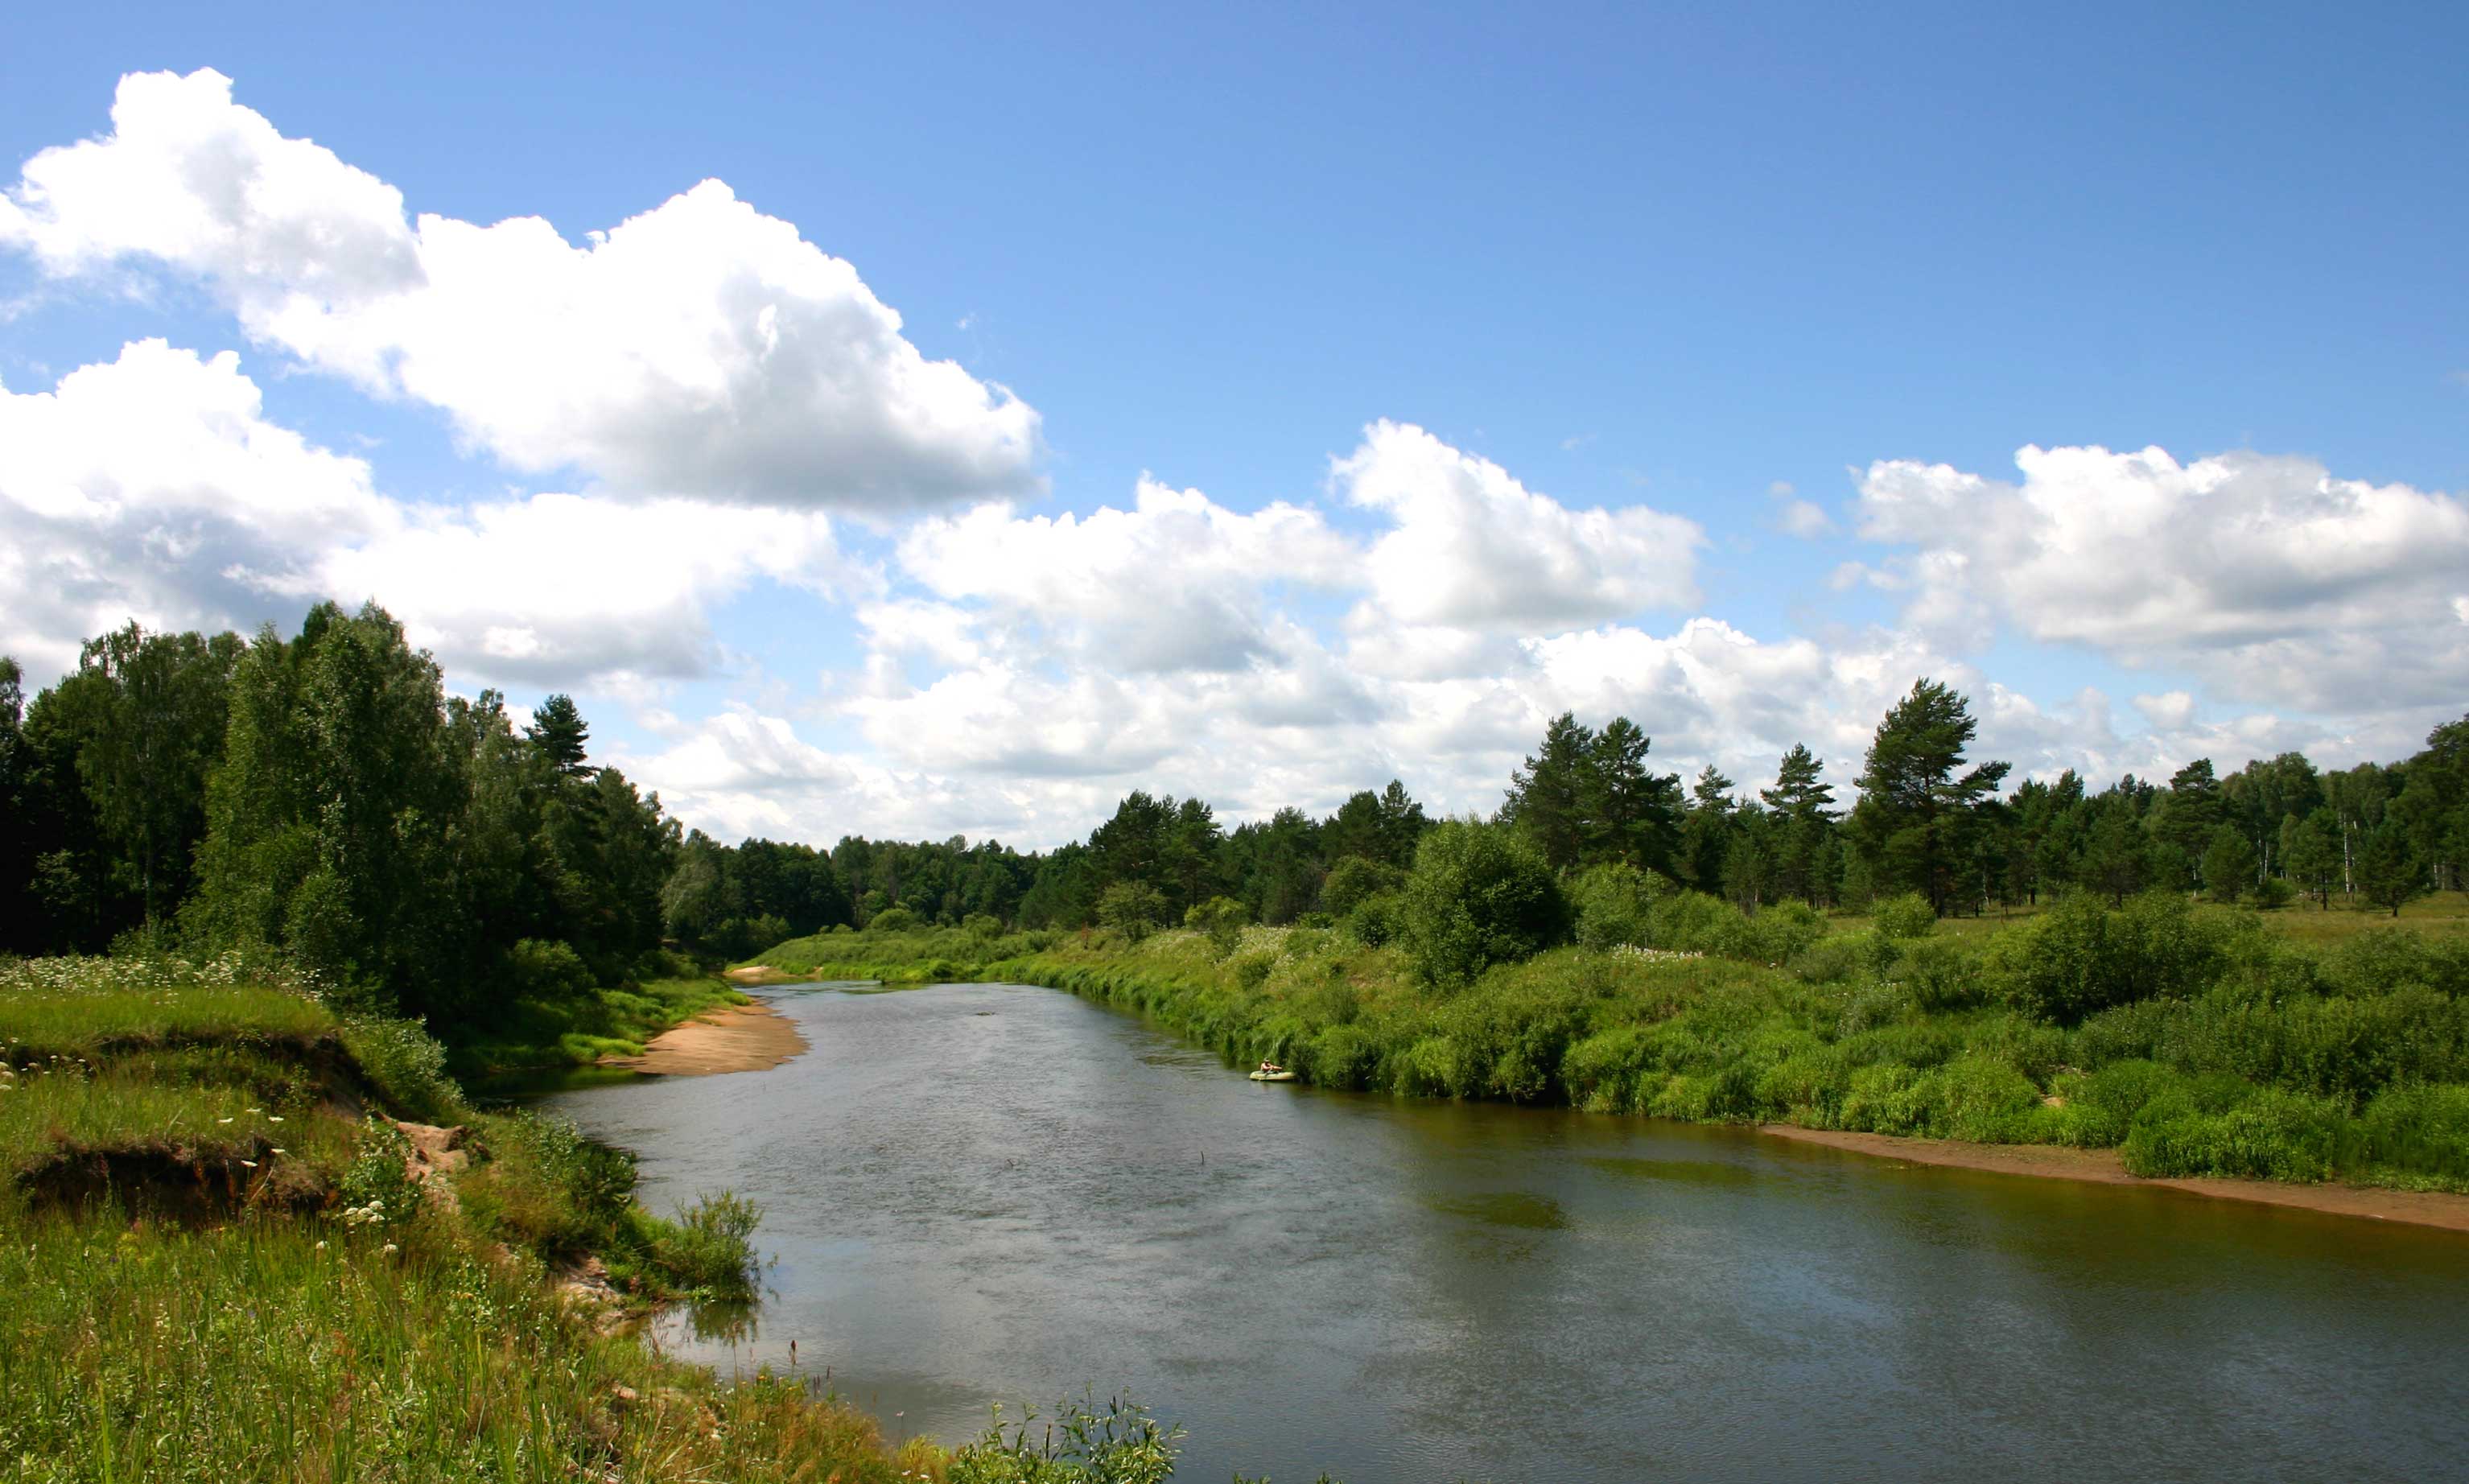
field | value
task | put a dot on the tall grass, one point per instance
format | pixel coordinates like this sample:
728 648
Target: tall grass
212 1267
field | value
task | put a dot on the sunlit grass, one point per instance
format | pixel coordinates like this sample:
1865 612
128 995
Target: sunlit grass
212 1267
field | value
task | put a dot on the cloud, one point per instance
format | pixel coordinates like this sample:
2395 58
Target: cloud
107 524
561 589
2168 711
1803 518
699 349
152 487
1471 547
2269 578
1177 582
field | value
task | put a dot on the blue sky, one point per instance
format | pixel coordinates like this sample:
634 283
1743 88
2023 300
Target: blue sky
1651 263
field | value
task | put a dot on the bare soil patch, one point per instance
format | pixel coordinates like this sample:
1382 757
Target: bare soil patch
2104 1167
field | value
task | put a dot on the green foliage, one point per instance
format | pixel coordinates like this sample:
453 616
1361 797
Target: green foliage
709 1250
1078 1444
1905 916
1377 920
893 919
1132 908
2083 956
544 971
1220 921
2389 873
405 1065
2228 864
1353 879
1478 897
1611 904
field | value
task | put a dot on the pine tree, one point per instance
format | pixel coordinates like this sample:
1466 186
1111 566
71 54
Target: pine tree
558 732
1916 819
1548 798
1633 815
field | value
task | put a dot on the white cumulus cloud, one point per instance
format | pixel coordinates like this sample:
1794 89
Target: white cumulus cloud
1178 582
1472 547
2267 577
154 487
699 349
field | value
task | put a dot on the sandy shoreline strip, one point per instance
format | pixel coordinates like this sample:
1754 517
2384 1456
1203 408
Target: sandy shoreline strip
2104 1167
733 1038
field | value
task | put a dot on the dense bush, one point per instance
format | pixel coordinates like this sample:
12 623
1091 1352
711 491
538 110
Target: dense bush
1908 916
1354 879
2083 956
1611 903
539 970
1478 896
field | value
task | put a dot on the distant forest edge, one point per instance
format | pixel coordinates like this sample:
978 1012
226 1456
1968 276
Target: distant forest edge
324 797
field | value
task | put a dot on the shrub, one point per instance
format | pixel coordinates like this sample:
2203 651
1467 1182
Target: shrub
709 1249
2271 1135
1905 917
2084 957
1611 904
1378 920
2273 893
1354 878
1252 969
1133 909
1695 922
1941 974
405 1065
1220 918
1833 959
1478 896
2381 960
893 919
2419 1130
1777 934
544 969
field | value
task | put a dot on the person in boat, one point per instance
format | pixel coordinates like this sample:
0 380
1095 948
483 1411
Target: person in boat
1271 1067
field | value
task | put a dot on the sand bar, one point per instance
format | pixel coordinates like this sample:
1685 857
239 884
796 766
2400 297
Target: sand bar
2106 1166
733 1038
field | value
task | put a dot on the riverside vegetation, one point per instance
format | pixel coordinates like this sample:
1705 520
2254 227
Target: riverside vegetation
2199 1040
328 889
221 1257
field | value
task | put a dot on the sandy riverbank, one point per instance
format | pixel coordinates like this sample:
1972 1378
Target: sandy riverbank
2104 1167
734 1038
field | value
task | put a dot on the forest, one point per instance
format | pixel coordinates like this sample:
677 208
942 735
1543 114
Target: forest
324 795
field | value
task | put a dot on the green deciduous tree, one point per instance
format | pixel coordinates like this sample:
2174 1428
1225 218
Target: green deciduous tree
1478 895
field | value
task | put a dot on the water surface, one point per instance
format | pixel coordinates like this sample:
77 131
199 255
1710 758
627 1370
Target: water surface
981 1192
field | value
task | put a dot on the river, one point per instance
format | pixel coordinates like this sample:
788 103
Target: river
981 1192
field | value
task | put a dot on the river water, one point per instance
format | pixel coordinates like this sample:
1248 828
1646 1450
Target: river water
983 1193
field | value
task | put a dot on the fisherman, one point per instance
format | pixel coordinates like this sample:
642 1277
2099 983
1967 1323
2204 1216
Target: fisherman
1271 1067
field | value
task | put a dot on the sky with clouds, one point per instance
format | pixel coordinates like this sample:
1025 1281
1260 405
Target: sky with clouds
941 423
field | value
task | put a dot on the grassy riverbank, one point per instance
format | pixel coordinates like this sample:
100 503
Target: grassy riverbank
2197 1042
217 1263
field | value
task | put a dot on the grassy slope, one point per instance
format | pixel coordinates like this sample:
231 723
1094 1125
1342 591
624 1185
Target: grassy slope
2295 1063
181 1296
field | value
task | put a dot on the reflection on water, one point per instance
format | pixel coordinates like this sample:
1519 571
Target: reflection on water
997 1192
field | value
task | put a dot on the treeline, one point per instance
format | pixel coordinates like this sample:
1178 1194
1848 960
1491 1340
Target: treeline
1925 822
324 797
